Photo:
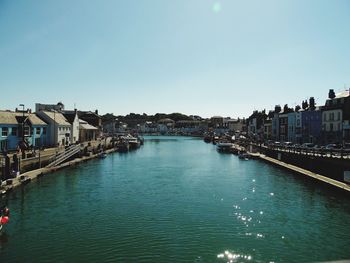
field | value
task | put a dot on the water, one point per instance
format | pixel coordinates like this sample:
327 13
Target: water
175 200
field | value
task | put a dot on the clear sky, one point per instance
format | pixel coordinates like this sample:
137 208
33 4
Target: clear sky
195 57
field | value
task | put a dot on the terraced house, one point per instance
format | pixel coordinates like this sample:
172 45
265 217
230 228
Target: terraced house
22 129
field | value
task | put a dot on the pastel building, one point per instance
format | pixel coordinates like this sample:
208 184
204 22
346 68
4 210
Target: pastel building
291 126
22 129
335 118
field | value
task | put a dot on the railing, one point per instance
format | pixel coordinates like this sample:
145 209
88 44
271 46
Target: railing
63 156
322 152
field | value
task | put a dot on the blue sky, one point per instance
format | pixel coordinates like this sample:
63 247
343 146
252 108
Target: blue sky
195 57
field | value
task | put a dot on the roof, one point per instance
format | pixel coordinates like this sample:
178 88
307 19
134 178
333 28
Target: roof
11 117
166 120
69 115
35 120
342 94
57 117
8 117
86 126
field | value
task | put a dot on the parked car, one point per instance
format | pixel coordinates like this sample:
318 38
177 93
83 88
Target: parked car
287 144
307 145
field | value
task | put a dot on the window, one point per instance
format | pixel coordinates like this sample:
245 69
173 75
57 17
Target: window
331 127
339 128
332 116
338 116
324 116
14 131
26 131
5 131
38 131
44 130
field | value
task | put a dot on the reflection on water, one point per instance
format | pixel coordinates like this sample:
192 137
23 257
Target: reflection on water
231 257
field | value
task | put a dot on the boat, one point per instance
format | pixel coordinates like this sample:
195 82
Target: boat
122 146
207 138
244 155
133 142
102 155
224 147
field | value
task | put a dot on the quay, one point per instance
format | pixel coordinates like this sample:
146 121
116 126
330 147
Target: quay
71 156
30 175
324 165
321 178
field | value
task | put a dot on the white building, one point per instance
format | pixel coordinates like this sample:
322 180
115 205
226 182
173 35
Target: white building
73 119
59 127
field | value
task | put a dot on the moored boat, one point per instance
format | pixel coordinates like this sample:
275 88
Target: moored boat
224 147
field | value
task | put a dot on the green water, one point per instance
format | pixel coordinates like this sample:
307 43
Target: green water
175 200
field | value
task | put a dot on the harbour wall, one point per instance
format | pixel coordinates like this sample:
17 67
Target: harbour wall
331 167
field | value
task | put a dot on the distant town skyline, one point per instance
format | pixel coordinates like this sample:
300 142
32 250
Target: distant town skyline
202 58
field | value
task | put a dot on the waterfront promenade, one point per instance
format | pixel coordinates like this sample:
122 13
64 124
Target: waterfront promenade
318 177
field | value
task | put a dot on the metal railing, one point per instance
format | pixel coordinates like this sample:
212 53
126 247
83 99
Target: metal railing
63 156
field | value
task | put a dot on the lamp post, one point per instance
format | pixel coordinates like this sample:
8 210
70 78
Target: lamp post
23 151
54 131
22 105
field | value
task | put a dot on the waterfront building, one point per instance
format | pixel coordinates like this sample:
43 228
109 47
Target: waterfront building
93 119
236 125
275 123
87 132
73 119
268 126
60 128
283 123
49 107
291 126
216 122
149 127
255 124
110 126
311 122
298 125
165 125
23 129
190 126
283 126
335 118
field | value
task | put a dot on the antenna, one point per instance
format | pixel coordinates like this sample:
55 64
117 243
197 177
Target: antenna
75 106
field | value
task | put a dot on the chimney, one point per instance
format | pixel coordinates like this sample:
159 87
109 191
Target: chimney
96 111
331 94
312 103
278 109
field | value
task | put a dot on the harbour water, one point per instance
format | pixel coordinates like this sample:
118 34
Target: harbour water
176 199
